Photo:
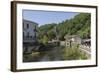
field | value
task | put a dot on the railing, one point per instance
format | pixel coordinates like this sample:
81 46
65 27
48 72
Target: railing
29 39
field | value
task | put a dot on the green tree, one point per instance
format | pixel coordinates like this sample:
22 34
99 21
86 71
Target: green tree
45 40
78 25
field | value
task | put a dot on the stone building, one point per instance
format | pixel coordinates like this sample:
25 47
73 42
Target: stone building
29 31
29 35
72 39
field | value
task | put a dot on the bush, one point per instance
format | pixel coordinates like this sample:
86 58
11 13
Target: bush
44 40
73 53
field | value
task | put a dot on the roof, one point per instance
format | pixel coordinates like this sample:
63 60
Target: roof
71 36
30 21
86 40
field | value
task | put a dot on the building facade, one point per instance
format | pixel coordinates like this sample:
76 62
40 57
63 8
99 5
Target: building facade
72 39
29 31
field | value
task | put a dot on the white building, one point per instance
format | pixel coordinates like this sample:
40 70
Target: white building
29 31
72 39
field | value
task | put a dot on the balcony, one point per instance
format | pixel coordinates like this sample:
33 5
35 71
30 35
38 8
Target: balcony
29 39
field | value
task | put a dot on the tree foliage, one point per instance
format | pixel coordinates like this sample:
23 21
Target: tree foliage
79 25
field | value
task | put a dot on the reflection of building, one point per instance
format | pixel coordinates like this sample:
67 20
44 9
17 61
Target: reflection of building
72 39
29 31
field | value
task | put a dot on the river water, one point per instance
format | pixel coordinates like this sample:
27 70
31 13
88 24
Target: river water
53 54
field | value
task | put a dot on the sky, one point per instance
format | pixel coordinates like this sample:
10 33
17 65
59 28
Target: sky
47 17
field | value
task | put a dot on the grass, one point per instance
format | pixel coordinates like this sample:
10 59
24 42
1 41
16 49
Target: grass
72 53
83 56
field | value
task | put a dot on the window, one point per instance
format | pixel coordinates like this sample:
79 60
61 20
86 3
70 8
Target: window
28 34
34 28
23 25
23 34
27 26
31 37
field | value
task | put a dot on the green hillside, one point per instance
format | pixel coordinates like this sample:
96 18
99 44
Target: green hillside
79 25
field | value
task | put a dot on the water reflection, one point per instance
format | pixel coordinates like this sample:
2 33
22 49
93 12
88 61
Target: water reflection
51 53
